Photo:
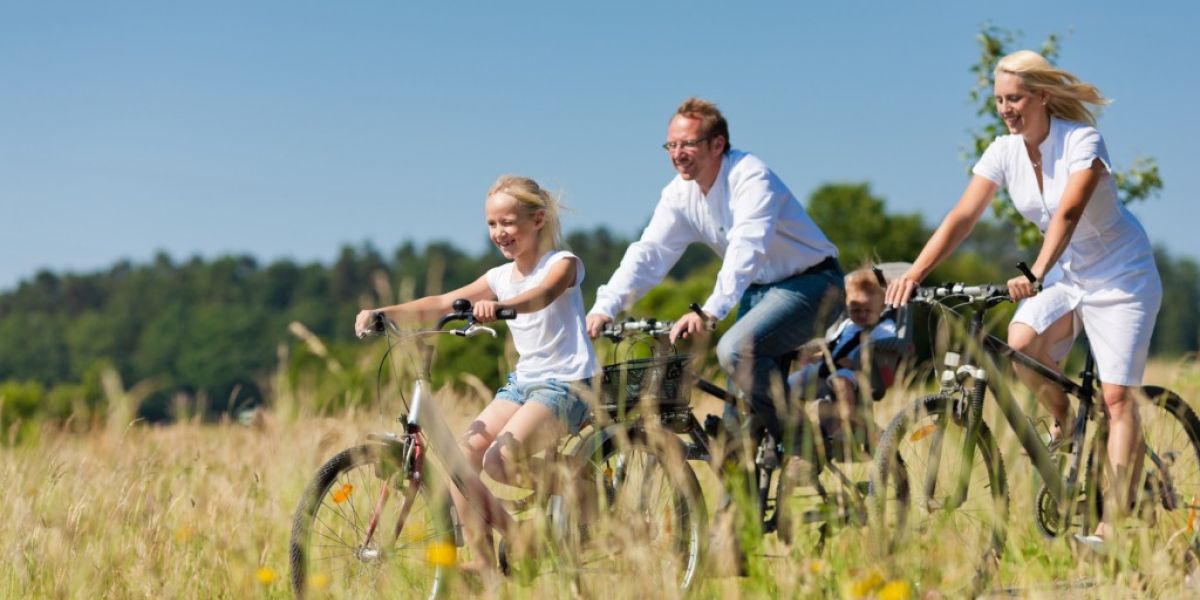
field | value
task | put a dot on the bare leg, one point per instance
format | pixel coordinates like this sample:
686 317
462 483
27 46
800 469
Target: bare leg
531 429
482 506
1125 459
1025 339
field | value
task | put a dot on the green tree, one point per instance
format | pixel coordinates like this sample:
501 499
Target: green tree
1177 329
858 223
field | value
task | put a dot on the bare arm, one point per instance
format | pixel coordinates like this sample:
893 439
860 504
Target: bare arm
1062 226
953 230
429 308
559 278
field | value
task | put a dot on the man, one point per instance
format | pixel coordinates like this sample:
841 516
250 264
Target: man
778 267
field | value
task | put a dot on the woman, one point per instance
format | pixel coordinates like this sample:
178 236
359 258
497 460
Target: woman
1096 264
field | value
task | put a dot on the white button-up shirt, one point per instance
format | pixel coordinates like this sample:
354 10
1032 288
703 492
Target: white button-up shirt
1108 243
749 218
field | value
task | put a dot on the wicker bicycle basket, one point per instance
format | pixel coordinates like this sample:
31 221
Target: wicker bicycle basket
660 380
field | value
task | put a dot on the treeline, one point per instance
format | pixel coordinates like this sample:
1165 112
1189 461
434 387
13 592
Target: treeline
211 333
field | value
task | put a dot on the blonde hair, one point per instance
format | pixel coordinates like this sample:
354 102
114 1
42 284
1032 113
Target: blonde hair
531 198
1068 95
864 280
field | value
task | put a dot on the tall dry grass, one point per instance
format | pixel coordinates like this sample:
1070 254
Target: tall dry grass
196 510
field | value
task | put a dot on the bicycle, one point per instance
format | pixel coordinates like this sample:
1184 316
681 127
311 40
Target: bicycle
377 518
939 471
805 519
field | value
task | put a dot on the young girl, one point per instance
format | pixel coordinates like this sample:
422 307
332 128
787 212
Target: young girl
540 402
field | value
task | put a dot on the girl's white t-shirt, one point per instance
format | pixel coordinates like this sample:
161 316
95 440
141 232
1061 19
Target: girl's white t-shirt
552 342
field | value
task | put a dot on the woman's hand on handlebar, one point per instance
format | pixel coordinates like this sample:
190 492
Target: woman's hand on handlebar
596 323
1020 288
901 289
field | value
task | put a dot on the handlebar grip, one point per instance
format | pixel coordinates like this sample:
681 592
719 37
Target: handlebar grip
709 324
1024 269
506 313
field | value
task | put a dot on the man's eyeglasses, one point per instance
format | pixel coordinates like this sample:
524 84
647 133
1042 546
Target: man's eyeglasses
686 144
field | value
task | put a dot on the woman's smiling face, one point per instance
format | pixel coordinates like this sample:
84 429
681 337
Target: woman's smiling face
1022 109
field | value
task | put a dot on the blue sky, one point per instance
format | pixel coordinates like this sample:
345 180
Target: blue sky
288 129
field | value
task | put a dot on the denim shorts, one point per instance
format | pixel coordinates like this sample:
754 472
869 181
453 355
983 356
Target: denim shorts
562 398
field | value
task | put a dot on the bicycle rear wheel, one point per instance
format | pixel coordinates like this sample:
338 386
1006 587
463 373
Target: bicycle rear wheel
643 514
918 466
1168 499
363 531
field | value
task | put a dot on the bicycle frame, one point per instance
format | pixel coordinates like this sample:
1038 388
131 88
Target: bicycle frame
696 440
426 431
1060 488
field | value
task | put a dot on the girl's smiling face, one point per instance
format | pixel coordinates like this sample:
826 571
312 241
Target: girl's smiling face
513 228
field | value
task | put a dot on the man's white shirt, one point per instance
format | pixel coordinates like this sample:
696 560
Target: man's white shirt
749 218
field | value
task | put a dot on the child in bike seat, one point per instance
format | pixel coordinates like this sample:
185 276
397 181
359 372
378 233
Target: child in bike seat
541 400
829 369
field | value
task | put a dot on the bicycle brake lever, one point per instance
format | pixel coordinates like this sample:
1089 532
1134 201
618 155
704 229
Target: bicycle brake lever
709 324
473 330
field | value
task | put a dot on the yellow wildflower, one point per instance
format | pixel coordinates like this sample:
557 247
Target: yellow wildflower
864 586
441 554
895 590
265 575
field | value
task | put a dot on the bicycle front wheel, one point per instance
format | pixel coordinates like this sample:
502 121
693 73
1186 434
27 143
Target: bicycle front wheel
640 513
363 531
931 499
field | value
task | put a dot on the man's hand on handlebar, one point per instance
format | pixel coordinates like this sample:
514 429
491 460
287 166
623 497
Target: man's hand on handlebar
596 323
692 322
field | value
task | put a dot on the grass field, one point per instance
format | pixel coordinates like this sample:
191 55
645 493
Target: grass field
204 511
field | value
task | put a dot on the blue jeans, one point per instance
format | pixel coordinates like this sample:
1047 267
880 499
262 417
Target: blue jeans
773 320
561 397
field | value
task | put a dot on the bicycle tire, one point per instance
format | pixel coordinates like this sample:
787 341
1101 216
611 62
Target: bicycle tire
325 551
910 514
1169 492
650 518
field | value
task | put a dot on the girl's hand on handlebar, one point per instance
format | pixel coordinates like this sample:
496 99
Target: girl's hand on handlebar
364 322
688 324
900 290
1020 288
486 310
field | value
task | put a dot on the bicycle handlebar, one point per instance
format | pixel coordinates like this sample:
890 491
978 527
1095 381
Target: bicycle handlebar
652 327
462 312
974 293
